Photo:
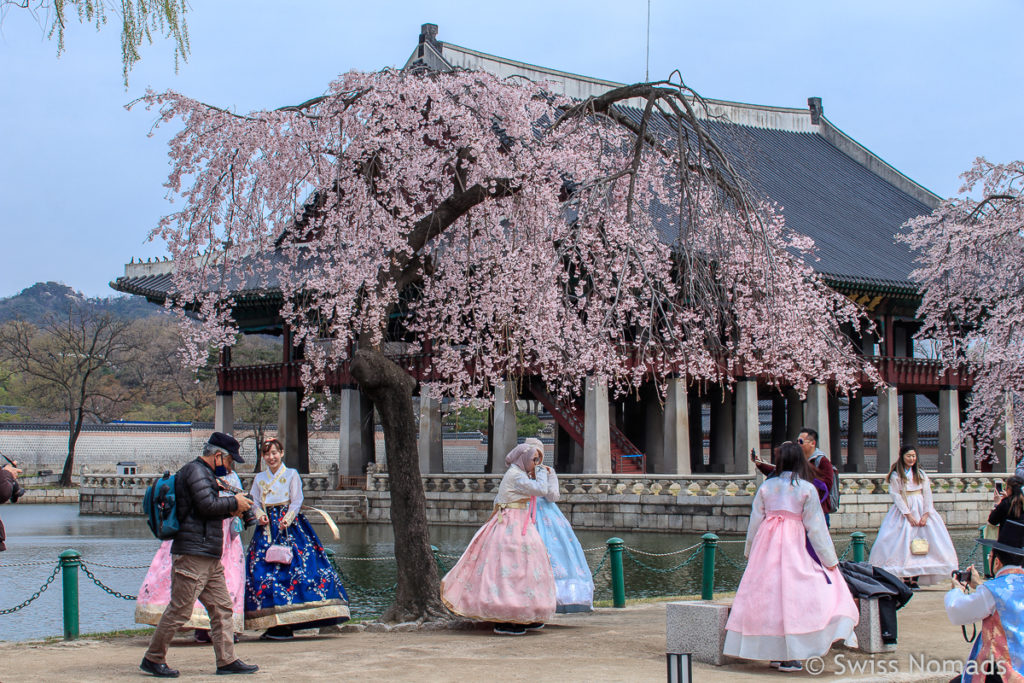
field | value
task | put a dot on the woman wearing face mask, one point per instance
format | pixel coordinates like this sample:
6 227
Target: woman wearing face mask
283 594
504 575
156 587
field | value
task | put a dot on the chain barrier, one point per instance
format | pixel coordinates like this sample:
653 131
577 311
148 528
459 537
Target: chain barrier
731 562
846 552
600 565
26 564
381 558
111 591
658 570
42 589
595 549
119 566
383 596
674 552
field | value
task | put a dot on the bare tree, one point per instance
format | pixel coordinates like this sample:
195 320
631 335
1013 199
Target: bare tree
71 359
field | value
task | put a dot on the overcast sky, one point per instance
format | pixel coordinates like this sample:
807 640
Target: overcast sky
928 86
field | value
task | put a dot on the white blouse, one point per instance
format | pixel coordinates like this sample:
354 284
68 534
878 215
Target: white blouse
552 494
517 485
896 492
275 488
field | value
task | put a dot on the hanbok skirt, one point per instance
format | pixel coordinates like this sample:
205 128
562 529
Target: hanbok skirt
156 587
891 549
788 606
304 594
574 584
504 575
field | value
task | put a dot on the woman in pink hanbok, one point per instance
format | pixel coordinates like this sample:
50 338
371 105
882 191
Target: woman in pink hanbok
504 575
792 602
156 587
913 516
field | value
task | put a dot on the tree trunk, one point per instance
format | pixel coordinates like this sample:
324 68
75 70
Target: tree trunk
69 462
418 597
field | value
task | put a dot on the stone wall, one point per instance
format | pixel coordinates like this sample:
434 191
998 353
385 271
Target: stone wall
50 496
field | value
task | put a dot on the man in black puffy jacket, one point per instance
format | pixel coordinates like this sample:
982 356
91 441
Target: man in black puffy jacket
197 570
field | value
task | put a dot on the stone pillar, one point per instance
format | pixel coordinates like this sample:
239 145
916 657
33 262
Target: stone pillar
888 429
352 451
1003 442
675 430
504 436
720 400
597 448
835 432
696 427
224 413
950 459
747 427
910 419
429 445
969 464
292 429
855 434
816 416
794 414
778 420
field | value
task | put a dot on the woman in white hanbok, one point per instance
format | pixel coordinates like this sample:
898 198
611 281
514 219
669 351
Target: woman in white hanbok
912 517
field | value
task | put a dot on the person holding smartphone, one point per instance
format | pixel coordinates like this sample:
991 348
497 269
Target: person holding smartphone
1008 504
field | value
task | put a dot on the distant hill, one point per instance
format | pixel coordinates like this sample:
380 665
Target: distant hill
33 303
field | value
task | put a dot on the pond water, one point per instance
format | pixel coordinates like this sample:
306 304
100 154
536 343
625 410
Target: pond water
39 533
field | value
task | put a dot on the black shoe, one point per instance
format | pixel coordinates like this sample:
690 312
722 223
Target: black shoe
509 629
278 633
158 670
236 667
536 626
202 635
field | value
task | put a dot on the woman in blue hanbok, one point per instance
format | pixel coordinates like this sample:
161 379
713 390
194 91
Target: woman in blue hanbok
574 584
305 592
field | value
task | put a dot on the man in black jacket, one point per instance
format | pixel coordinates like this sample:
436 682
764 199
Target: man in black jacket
197 570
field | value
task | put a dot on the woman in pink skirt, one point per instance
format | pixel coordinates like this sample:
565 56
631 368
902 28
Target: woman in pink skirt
505 576
792 602
156 587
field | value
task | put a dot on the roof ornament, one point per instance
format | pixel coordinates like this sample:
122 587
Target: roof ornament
814 103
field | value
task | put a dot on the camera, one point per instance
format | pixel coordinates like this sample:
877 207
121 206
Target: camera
249 517
17 491
963 576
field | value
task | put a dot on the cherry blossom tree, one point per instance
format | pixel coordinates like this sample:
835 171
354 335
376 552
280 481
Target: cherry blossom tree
971 251
512 229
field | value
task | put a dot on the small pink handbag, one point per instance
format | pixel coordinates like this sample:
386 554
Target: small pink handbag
279 554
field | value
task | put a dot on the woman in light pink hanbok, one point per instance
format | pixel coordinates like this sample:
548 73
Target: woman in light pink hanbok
156 587
913 516
504 575
792 602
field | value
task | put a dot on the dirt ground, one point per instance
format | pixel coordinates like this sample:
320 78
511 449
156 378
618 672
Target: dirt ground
608 645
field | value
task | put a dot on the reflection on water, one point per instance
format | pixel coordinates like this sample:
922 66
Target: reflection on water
38 533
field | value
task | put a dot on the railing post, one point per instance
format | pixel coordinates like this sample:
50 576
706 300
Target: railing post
857 542
618 582
707 586
69 563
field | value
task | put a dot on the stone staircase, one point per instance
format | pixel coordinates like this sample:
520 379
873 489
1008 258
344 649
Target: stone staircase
344 506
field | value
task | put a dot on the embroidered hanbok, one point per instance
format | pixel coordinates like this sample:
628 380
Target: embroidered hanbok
789 606
505 575
891 549
574 584
156 587
304 594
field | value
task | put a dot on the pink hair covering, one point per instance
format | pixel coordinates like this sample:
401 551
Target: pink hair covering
521 456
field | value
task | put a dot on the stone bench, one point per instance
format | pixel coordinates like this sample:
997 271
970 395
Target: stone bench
697 628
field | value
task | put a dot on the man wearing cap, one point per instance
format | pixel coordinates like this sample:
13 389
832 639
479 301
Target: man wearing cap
197 570
998 653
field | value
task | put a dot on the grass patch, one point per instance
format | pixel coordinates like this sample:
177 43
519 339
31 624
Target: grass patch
107 635
663 598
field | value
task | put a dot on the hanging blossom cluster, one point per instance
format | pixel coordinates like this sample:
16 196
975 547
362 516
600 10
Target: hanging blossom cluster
971 251
510 229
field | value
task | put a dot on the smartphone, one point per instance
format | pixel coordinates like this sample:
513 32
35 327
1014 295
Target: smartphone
999 487
753 455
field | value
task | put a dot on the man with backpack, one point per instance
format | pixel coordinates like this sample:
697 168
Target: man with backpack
197 569
824 473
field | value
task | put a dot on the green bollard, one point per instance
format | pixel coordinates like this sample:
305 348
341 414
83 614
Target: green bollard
69 563
618 581
857 541
707 585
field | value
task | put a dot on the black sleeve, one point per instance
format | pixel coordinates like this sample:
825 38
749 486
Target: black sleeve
6 485
998 516
207 503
